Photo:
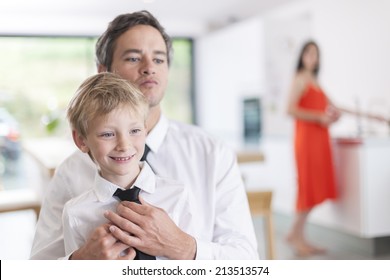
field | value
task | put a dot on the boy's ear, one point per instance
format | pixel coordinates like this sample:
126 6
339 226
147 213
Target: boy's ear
79 141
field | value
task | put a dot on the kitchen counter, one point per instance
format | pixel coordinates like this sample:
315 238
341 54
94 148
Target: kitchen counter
363 176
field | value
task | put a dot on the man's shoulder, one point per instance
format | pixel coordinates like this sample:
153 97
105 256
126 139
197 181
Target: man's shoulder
77 161
87 197
190 131
167 181
194 134
75 174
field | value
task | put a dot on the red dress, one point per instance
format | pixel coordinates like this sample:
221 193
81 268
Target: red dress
313 154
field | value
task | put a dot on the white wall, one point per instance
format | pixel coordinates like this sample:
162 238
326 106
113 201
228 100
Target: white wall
87 17
285 29
230 66
354 38
259 56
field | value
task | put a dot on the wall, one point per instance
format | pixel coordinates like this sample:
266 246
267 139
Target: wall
354 38
89 18
229 67
285 30
258 57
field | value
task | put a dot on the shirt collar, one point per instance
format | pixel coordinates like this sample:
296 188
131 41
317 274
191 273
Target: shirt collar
156 136
146 181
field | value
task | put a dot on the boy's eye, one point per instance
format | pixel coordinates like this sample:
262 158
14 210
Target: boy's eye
107 134
135 131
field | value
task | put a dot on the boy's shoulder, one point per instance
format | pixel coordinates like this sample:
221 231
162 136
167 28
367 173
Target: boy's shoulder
85 197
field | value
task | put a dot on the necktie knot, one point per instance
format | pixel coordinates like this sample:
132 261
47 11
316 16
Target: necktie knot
128 195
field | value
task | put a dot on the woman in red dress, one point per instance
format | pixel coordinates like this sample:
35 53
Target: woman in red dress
313 112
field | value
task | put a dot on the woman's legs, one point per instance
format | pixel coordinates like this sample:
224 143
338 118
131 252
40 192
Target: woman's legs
296 238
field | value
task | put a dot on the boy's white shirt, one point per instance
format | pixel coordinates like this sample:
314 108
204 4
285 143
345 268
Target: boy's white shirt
85 212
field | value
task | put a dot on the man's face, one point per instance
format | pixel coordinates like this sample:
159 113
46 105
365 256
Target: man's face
141 57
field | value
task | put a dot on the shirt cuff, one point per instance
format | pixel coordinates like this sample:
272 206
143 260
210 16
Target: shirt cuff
203 250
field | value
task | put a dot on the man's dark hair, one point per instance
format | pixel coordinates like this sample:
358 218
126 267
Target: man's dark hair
105 45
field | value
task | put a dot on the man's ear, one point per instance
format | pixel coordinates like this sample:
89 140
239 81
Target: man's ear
102 68
79 141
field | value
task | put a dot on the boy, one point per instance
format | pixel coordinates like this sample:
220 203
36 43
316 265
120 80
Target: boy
107 116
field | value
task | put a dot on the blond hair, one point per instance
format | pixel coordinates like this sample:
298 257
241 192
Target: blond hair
99 95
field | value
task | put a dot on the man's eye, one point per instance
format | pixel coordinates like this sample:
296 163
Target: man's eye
159 61
132 59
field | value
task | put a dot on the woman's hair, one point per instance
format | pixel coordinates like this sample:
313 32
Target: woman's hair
105 45
300 65
99 95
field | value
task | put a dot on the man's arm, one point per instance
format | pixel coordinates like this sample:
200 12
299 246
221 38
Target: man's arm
48 243
234 235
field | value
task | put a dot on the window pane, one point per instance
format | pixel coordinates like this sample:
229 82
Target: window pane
177 103
39 75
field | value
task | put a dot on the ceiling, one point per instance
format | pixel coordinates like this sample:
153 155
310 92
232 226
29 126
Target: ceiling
92 16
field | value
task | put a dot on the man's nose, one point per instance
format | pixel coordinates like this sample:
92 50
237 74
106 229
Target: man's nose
148 67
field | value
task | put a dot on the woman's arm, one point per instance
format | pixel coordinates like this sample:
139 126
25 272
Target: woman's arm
375 117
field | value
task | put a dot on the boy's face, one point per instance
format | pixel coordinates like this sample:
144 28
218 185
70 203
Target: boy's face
140 56
116 142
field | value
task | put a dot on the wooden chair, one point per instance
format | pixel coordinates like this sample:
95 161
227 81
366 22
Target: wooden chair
260 204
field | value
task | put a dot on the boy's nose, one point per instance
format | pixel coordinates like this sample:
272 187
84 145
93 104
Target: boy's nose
123 144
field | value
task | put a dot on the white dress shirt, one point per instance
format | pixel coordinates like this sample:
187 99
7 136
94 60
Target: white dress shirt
221 224
79 223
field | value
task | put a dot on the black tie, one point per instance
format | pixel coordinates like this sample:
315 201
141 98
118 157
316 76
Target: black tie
132 195
146 151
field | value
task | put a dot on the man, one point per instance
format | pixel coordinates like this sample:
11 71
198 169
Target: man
136 47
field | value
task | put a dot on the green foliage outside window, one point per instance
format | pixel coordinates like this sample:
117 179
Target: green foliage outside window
39 75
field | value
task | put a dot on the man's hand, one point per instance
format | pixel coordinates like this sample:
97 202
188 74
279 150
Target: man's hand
102 245
151 231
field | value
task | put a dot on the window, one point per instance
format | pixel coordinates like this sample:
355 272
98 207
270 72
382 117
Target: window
39 75
178 102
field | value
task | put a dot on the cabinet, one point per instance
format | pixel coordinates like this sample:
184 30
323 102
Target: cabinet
363 171
363 176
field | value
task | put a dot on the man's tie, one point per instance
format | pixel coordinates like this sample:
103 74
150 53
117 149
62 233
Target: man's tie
132 195
146 151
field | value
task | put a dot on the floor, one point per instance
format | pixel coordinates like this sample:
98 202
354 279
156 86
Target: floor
17 230
339 246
